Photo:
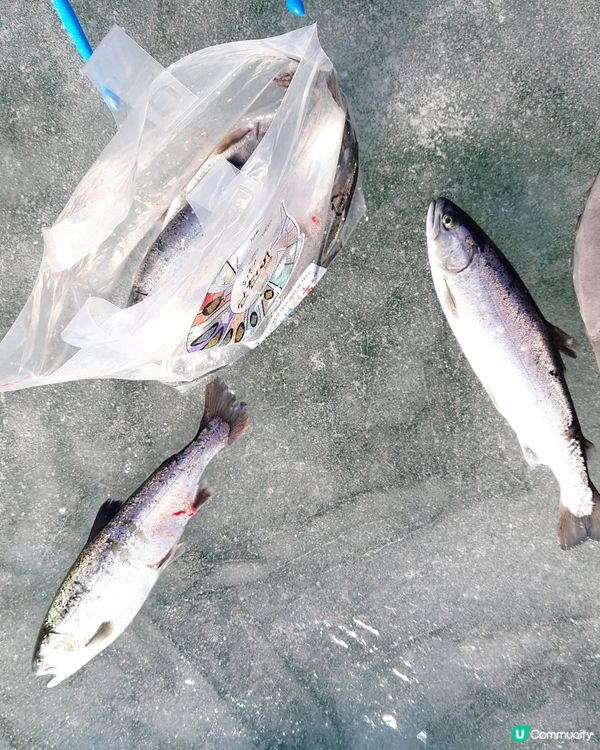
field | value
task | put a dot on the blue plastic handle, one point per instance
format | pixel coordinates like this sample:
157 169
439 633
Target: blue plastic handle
73 28
296 7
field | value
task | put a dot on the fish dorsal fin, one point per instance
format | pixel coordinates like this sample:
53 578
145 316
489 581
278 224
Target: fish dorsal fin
173 554
108 510
562 341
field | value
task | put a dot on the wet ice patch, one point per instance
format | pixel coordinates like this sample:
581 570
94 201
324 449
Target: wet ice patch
317 362
364 625
353 634
390 721
439 117
339 641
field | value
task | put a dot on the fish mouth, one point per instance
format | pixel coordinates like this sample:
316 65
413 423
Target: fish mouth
57 679
54 673
43 671
433 221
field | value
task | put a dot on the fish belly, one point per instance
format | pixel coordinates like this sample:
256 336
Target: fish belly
503 364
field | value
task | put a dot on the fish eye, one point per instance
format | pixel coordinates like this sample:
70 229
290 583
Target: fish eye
447 221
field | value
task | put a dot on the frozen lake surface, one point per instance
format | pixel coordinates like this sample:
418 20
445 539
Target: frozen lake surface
379 567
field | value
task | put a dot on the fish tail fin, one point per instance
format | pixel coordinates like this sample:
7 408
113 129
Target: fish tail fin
220 403
593 520
573 530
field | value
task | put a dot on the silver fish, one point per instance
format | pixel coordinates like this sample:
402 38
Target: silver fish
130 545
344 185
586 266
514 351
158 251
181 228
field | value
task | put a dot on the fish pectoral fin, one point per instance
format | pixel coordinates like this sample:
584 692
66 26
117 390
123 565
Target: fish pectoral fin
562 341
108 510
173 554
530 455
449 301
104 631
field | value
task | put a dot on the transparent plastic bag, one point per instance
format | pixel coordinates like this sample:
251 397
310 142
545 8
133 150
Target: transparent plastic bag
227 190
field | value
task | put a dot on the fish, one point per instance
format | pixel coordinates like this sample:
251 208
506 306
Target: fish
131 544
262 280
181 226
586 266
516 354
345 183
180 229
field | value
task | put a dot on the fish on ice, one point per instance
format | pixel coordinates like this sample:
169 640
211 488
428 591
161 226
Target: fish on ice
586 266
131 544
515 353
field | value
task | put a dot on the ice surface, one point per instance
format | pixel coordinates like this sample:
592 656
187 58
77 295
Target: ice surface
379 566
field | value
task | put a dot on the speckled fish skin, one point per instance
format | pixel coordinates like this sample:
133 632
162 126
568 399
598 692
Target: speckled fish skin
586 267
121 562
514 352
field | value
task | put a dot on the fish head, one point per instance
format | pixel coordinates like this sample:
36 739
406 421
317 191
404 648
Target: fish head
454 240
60 653
56 653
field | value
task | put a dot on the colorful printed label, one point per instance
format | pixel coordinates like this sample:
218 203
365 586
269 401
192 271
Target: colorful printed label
249 286
310 277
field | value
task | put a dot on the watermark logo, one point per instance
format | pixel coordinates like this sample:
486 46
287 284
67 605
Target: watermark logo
520 733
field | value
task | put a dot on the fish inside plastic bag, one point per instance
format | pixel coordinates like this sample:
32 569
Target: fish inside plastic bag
225 194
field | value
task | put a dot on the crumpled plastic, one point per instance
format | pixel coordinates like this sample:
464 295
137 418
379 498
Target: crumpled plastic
266 231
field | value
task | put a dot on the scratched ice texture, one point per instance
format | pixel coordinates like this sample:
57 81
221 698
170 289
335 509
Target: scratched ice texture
378 568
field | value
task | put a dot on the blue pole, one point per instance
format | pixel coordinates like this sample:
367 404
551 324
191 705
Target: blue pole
73 28
296 8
